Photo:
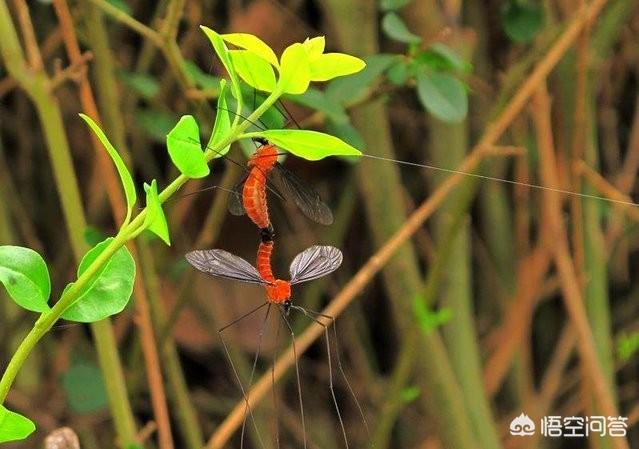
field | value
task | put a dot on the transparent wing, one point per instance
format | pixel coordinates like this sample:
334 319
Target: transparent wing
220 263
236 204
315 262
307 199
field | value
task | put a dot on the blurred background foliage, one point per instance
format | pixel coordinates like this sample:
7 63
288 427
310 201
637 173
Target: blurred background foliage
509 299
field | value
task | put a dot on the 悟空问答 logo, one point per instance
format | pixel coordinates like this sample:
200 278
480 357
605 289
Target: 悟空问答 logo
522 425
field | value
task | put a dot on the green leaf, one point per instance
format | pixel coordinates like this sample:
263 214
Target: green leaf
108 291
93 236
123 171
295 73
393 5
443 95
255 71
222 52
84 387
627 345
353 88
399 72
222 124
183 143
347 132
14 426
155 221
319 101
430 320
157 124
253 44
409 394
122 5
331 65
396 29
314 47
143 84
310 145
201 79
25 276
521 20
439 56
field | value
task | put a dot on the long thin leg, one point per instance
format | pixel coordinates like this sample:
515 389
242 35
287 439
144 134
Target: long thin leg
276 428
330 370
250 382
340 367
236 374
297 374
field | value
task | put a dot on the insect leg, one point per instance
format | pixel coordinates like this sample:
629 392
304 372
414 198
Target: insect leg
297 374
236 374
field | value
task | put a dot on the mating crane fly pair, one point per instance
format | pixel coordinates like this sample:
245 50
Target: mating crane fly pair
249 197
312 263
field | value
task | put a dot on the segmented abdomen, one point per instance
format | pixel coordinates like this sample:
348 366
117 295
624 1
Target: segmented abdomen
264 261
254 198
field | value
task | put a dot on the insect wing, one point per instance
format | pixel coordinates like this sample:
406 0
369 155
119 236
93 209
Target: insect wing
236 204
307 199
220 263
315 262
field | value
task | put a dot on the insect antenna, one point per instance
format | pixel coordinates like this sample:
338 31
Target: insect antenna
248 408
297 374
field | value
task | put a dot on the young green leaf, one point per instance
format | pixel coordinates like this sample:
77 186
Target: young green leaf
255 71
627 345
123 171
222 124
222 52
331 65
295 73
521 20
253 44
396 29
26 277
409 394
84 387
155 221
183 143
310 145
108 291
14 426
314 47
443 95
440 56
428 319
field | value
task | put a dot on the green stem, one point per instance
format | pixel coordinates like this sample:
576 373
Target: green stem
47 319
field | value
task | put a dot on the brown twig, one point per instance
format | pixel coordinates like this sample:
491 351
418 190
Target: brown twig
151 357
568 277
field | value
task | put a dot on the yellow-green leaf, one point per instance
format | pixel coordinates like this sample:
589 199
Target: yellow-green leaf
155 221
310 145
123 171
332 65
314 47
14 426
222 124
223 53
254 45
295 74
255 71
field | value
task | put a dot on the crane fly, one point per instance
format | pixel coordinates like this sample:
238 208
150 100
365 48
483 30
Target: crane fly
312 263
249 195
